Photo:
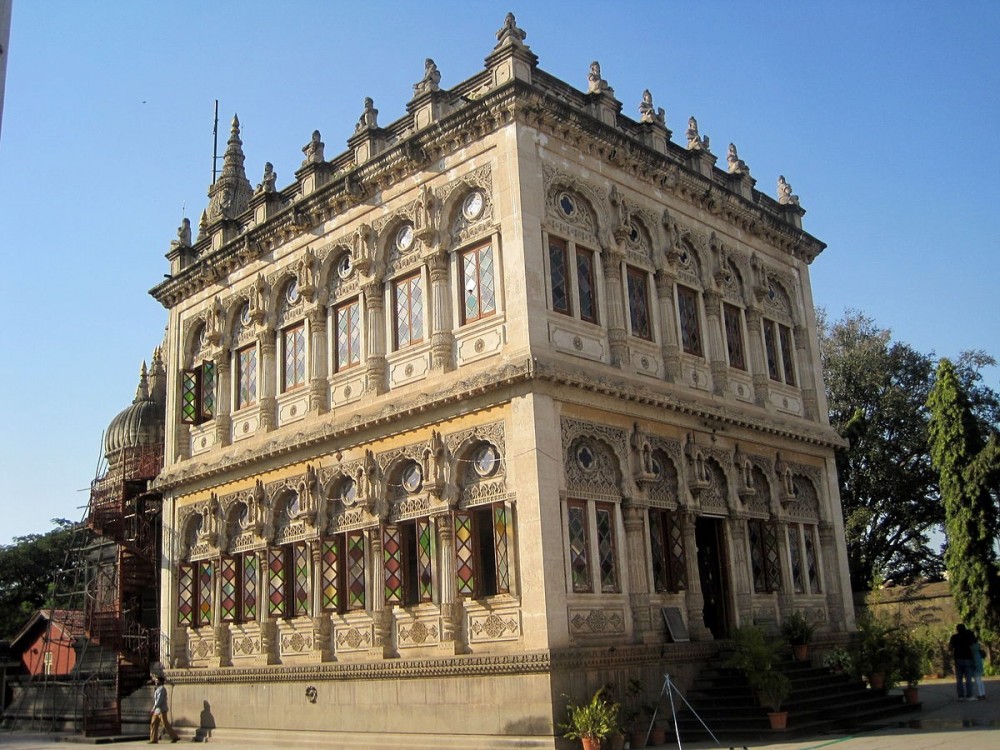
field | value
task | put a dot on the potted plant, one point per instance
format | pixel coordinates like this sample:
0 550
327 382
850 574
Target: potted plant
838 660
874 652
912 662
591 722
798 631
772 688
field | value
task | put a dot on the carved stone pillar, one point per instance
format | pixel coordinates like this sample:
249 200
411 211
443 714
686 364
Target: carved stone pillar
442 336
267 375
451 607
375 364
826 553
381 617
668 322
807 373
318 387
758 360
223 399
694 598
611 260
179 651
787 592
716 342
183 441
322 645
638 578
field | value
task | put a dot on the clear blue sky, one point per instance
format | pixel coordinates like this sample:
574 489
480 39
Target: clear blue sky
882 115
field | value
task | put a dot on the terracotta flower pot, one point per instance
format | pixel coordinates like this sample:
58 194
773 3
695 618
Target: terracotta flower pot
877 680
658 736
911 694
638 738
800 651
591 743
779 719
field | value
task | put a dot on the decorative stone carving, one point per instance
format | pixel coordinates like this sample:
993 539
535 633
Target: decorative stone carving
369 117
785 197
363 251
786 482
736 165
745 482
510 34
267 182
258 300
230 195
593 459
306 275
647 113
699 476
622 221
425 216
313 150
596 84
694 141
183 234
430 81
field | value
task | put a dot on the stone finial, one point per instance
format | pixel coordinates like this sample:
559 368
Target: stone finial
183 234
736 164
314 150
596 84
142 392
510 34
230 195
647 113
694 141
203 225
267 181
369 117
431 80
785 197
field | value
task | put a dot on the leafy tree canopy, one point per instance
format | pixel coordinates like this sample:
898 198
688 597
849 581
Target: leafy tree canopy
28 567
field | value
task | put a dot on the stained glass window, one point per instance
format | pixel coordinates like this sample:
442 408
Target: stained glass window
579 562
734 337
585 284
772 561
786 353
206 571
329 571
229 582
771 350
606 551
501 531
755 534
186 597
558 275
479 283
667 548
793 550
246 377
409 311
190 396
465 571
425 557
481 550
250 567
638 303
300 581
293 374
348 321
356 570
811 567
687 306
207 390
276 582
392 552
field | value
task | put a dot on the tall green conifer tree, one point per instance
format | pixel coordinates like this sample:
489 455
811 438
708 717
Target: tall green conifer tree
969 468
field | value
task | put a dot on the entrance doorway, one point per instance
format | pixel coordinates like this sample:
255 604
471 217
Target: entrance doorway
709 535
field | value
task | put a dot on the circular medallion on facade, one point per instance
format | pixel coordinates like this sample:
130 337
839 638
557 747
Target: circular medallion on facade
645 363
485 460
577 343
585 457
293 411
292 292
344 266
656 467
347 391
694 377
203 337
408 371
404 238
243 515
348 491
245 315
412 477
567 204
771 294
472 206
246 427
633 233
740 390
204 442
784 402
683 257
479 346
293 506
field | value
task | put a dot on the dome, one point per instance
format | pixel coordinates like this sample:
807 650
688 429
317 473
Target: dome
139 424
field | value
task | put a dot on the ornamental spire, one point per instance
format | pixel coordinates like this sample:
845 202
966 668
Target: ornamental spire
230 195
142 392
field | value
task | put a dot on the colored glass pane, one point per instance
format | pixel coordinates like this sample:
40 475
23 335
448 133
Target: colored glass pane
207 390
479 283
771 350
465 558
772 562
206 572
348 335
578 561
355 570
500 536
425 557
638 304
786 353
409 311
557 276
329 566
687 306
812 569
190 389
294 345
755 535
585 284
300 581
734 337
276 582
246 365
793 550
250 567
392 558
661 571
185 596
229 581
675 543
606 549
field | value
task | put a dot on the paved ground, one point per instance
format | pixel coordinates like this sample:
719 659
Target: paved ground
943 723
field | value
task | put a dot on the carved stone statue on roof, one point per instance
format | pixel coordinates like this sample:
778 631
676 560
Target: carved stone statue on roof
509 33
183 234
369 117
736 164
596 84
430 81
694 141
785 196
647 113
267 181
313 150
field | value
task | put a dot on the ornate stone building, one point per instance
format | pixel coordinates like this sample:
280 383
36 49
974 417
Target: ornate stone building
464 415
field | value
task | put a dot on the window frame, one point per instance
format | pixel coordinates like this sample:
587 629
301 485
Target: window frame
694 297
732 322
354 357
254 360
414 323
641 278
478 252
581 279
300 353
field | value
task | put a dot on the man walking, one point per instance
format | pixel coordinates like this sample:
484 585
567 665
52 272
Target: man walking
159 713
961 648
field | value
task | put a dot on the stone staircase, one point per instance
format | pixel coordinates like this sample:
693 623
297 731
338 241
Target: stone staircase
820 702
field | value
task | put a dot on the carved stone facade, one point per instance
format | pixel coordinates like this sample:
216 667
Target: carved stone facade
482 400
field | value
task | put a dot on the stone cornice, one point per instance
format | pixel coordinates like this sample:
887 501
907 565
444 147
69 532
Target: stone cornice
549 105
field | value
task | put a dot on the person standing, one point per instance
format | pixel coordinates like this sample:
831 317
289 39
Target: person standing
977 670
961 644
158 714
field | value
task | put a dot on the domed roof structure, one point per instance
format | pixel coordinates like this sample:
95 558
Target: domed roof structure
138 425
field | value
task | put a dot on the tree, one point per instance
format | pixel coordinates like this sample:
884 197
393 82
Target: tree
877 390
28 568
966 453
